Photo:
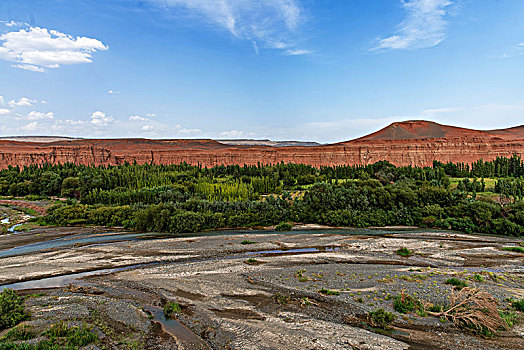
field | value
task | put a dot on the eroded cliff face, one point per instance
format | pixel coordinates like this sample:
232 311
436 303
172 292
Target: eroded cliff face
394 145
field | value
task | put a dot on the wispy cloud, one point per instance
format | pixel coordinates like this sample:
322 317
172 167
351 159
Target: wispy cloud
424 26
34 115
138 118
297 52
22 102
38 49
267 24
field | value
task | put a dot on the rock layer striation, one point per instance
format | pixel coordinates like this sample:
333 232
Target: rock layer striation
415 143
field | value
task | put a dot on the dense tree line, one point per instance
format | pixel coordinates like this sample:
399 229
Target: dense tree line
185 198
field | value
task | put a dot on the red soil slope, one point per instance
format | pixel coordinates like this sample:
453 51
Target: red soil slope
415 143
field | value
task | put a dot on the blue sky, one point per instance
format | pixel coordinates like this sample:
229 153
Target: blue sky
322 70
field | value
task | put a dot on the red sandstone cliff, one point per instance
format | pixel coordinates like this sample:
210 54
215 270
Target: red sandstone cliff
415 143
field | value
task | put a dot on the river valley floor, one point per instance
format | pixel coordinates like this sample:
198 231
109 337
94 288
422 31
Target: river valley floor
303 289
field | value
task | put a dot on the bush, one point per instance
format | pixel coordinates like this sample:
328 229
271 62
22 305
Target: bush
11 309
518 304
21 332
405 252
71 337
381 318
284 226
328 291
405 303
456 283
171 309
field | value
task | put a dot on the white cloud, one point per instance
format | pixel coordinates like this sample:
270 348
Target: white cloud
30 127
298 52
4 111
150 115
232 133
100 119
183 130
113 92
148 128
29 67
137 117
37 49
2 102
34 115
271 23
23 102
13 23
424 26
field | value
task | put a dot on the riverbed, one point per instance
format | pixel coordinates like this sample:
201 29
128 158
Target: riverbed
248 289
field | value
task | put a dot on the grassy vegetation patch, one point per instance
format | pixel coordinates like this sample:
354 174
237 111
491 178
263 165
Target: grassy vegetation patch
11 309
514 249
251 261
245 242
22 332
71 337
405 303
381 318
284 226
328 291
518 304
171 309
459 284
404 252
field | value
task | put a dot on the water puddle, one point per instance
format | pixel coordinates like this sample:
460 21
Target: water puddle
13 228
106 237
5 221
171 326
65 280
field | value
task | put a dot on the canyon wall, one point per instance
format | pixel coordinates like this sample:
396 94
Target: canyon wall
421 149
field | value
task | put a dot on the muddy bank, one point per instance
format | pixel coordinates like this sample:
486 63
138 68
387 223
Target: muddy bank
268 291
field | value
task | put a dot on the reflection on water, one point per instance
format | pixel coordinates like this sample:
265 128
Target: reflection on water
189 339
65 280
70 240
110 237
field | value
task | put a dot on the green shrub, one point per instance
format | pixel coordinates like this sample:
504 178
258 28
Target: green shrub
171 309
404 252
284 226
456 283
328 291
70 337
518 304
11 309
22 332
381 318
247 242
405 303
510 318
478 277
